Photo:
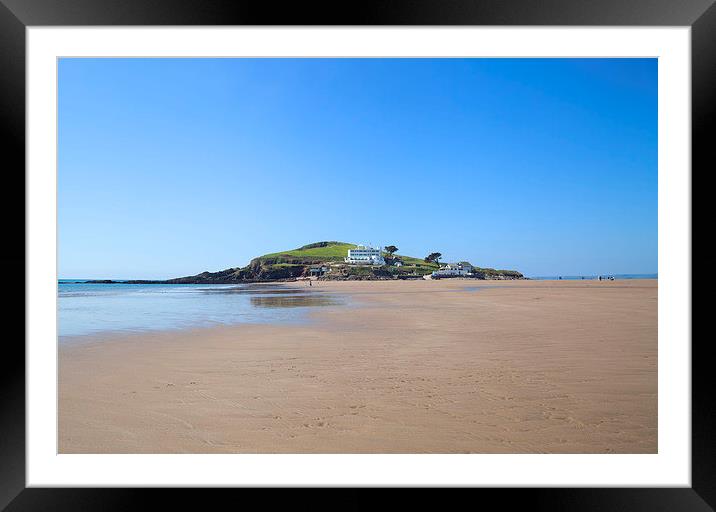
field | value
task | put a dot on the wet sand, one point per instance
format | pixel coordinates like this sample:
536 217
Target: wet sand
409 367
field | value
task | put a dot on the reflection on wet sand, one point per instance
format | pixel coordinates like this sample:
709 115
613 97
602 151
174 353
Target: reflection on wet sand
263 296
294 301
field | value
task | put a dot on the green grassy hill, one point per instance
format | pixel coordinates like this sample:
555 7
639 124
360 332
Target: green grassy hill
319 252
333 253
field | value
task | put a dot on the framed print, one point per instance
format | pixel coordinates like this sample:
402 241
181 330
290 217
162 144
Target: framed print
413 246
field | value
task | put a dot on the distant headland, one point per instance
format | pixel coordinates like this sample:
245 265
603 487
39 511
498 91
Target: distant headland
340 261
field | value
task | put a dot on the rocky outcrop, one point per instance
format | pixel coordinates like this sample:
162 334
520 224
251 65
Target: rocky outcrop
360 274
256 271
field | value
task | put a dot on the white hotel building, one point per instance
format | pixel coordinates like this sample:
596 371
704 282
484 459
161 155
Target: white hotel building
454 269
365 255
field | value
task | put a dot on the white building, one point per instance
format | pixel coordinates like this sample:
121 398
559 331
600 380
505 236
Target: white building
365 255
462 268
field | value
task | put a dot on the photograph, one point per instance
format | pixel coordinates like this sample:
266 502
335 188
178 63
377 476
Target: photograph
340 255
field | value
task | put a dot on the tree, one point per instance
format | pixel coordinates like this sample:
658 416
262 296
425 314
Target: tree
433 257
391 249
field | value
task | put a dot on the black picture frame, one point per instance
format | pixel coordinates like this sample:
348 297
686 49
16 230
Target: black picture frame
16 15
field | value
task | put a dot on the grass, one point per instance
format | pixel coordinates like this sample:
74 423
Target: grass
333 251
409 260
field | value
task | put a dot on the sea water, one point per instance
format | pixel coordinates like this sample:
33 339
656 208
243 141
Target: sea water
91 308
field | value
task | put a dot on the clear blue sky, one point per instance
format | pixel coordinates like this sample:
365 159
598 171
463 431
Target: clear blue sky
169 167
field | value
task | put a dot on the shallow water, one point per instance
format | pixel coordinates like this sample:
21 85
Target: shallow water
85 308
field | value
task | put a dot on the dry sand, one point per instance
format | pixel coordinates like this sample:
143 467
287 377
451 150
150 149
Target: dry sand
411 367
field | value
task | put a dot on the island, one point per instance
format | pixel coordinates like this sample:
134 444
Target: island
337 261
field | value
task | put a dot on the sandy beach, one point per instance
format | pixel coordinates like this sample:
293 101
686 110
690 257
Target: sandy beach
450 366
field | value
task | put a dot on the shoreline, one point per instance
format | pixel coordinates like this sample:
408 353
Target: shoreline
618 277
517 366
307 317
